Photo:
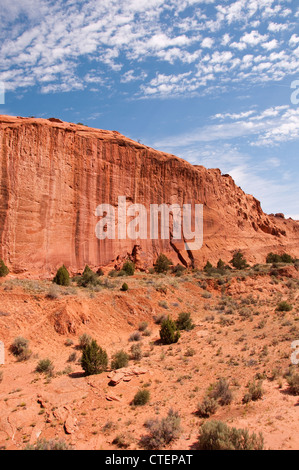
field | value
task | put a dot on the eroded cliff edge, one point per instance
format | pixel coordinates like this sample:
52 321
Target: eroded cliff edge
54 174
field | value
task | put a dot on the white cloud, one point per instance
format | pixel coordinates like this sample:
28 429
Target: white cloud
267 128
207 42
46 47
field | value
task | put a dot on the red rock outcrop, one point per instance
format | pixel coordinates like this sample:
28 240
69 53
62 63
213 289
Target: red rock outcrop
53 175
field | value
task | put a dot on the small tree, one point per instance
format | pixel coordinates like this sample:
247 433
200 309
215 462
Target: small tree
124 287
62 277
169 333
275 258
220 264
94 359
3 269
129 268
208 267
285 258
162 264
238 261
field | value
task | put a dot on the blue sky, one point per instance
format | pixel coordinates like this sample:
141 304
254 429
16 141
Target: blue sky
209 81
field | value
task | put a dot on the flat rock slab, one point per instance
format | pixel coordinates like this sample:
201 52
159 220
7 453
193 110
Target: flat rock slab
112 398
125 374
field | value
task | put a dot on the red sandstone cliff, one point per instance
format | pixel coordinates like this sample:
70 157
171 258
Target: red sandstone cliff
53 175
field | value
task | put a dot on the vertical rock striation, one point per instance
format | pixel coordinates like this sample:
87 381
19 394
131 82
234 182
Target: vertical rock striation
53 175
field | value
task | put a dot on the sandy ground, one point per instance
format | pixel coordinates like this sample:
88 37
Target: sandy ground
238 334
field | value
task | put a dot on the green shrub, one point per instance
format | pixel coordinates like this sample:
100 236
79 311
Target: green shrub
274 258
162 264
208 267
141 398
43 444
120 359
284 307
143 326
54 292
136 352
178 270
94 359
122 441
255 392
45 366
161 432
88 278
129 268
169 333
293 381
62 277
113 273
238 261
216 435
136 336
220 264
184 321
72 357
20 348
84 340
3 269
124 287
207 408
160 318
220 391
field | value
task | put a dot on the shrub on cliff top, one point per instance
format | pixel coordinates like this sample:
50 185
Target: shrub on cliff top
3 269
62 277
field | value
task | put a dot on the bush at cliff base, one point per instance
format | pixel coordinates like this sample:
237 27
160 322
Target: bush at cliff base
62 277
3 269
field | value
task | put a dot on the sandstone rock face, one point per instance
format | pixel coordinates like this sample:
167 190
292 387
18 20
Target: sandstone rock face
53 175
